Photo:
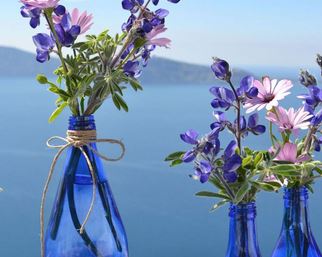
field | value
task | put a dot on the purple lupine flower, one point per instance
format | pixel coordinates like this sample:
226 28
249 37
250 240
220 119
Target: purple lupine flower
45 45
146 55
33 14
203 171
155 2
224 98
210 143
190 137
314 97
307 79
207 144
247 87
132 69
242 126
317 119
221 69
129 23
132 5
66 32
221 121
317 144
253 125
232 162
60 10
127 51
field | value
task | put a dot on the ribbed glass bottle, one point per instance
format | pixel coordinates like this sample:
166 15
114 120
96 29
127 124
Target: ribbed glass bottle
296 238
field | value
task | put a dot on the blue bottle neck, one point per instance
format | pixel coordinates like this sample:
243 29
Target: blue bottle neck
296 209
77 159
82 123
242 231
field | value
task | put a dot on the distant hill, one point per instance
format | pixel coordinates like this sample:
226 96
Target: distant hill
18 63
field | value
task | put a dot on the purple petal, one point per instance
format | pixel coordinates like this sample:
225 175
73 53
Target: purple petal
230 149
190 137
189 156
253 120
232 164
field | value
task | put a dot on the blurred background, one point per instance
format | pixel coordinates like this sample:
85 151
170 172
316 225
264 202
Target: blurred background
162 216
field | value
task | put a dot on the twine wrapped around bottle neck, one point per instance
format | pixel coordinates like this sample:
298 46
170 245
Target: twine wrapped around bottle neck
78 139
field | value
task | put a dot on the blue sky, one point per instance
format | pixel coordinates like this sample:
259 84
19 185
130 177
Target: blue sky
248 32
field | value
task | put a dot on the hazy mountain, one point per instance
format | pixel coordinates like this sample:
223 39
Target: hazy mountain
19 63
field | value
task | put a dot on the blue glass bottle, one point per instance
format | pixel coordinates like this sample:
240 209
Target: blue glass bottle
242 232
296 238
104 234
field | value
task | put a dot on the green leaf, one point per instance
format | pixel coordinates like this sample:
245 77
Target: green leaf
247 161
258 159
241 192
135 84
176 162
174 156
266 186
63 94
120 103
216 183
58 111
211 194
218 205
286 170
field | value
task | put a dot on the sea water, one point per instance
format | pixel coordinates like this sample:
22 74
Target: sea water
162 216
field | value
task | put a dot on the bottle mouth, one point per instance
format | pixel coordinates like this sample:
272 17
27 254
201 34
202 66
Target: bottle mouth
82 123
243 209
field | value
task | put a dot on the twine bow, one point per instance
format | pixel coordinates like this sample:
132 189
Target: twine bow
77 139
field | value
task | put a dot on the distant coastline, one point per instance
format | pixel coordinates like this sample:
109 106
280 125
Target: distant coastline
16 63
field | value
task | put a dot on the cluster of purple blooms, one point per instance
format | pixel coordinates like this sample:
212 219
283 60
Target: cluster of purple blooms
66 27
205 152
143 23
65 30
312 101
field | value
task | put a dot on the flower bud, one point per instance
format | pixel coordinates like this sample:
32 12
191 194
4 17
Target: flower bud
319 60
307 79
221 69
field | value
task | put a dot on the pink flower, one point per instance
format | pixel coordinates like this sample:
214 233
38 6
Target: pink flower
269 93
83 20
42 4
290 120
289 153
152 40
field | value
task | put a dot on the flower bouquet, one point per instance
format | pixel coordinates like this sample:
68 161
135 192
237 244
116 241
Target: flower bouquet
294 164
237 171
94 69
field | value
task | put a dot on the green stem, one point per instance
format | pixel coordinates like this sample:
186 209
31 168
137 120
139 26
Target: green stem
48 16
238 132
129 38
225 184
271 133
72 208
308 140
